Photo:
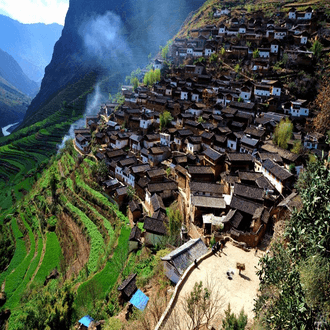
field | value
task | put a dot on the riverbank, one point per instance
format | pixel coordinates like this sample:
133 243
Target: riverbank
9 128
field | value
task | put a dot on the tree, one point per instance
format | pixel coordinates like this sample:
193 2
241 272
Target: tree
201 307
174 225
297 147
100 169
317 49
134 82
285 58
200 119
294 276
213 58
256 53
164 119
157 75
283 133
222 52
231 322
165 51
131 193
321 122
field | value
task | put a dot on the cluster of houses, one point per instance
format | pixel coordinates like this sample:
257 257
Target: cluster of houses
289 33
215 156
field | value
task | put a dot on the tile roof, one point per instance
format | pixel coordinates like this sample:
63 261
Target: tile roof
239 157
206 187
212 154
264 183
278 171
234 217
249 192
135 234
129 285
244 205
285 154
212 202
157 202
249 176
161 186
155 226
184 256
195 170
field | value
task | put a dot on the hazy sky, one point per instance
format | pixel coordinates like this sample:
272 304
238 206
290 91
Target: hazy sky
35 11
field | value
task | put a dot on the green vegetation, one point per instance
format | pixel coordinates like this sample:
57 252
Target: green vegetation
39 251
7 246
283 133
151 77
295 286
232 322
164 119
20 251
97 243
256 53
317 49
51 258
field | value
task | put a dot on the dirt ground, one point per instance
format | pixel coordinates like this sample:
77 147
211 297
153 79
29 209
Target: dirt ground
240 291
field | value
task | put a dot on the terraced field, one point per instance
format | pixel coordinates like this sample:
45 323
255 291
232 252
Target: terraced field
25 153
38 226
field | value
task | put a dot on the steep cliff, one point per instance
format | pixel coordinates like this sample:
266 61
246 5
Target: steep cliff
31 45
110 38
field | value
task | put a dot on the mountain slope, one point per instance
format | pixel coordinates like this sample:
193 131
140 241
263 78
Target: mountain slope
13 103
31 45
110 38
13 73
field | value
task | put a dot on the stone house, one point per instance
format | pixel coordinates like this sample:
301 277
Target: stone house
155 231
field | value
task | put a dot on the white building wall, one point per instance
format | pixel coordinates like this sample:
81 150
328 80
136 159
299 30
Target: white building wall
274 48
275 182
276 91
231 144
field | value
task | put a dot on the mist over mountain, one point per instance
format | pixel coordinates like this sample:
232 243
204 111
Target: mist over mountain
111 38
31 45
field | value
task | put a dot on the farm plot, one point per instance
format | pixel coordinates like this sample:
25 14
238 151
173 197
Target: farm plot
20 251
51 258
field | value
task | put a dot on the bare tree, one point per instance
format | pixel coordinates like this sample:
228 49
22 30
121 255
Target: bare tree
198 309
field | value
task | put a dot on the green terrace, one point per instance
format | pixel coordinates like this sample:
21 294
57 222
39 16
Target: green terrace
39 243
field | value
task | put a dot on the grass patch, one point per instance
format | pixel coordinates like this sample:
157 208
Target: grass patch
51 258
20 250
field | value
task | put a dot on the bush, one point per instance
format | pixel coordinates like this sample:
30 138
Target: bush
232 322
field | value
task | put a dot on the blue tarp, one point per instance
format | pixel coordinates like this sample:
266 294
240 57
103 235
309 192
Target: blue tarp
86 320
139 300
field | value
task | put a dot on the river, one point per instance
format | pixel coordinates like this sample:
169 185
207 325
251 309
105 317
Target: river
6 128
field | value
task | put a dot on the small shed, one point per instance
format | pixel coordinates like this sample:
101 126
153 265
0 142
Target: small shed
211 222
177 261
85 322
128 287
134 238
139 300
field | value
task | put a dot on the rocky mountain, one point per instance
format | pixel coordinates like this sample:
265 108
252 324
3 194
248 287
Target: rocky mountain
14 87
13 73
111 38
31 45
